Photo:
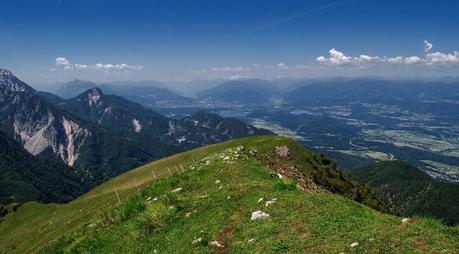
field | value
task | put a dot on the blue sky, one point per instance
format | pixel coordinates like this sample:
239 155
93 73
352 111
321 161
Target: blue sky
116 40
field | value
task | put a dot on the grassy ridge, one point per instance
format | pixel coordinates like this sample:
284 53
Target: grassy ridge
316 221
34 224
216 202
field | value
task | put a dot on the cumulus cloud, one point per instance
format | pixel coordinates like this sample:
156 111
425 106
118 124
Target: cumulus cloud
413 60
442 58
427 46
395 60
62 61
361 63
68 66
338 58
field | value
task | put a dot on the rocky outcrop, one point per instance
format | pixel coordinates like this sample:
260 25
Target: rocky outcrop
38 126
11 83
207 128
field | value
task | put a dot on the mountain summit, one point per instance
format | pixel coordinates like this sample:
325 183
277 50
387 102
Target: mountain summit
11 83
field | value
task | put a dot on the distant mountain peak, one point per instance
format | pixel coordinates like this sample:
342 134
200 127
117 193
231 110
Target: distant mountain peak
74 88
79 81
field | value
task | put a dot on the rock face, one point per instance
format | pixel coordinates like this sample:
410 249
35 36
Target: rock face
116 113
207 128
48 131
37 125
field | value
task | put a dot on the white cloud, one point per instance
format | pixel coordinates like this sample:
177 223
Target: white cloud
337 58
68 66
358 64
427 46
395 60
413 60
369 59
282 66
442 58
62 61
321 59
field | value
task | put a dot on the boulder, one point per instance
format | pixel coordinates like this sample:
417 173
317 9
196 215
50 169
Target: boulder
406 220
270 202
197 241
259 215
216 244
282 151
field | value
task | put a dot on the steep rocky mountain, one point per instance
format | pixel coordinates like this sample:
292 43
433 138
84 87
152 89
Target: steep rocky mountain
250 91
148 94
48 131
24 177
406 190
99 135
208 128
35 123
145 127
115 112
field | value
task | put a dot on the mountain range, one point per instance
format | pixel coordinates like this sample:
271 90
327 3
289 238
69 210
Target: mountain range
101 136
250 91
148 94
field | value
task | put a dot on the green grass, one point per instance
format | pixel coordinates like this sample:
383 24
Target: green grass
301 221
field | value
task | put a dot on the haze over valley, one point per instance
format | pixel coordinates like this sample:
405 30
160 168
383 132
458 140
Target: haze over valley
229 126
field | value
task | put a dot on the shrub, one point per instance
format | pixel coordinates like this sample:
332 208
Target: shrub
152 219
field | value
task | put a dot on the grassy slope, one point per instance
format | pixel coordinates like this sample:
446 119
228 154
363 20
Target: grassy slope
316 222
